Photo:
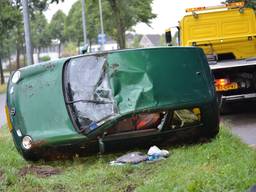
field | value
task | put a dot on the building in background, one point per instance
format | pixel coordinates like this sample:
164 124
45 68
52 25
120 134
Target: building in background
108 46
150 40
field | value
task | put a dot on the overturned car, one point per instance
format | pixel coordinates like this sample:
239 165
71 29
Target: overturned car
89 102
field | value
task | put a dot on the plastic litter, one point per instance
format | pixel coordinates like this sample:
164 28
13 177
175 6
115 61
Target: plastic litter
157 152
252 189
154 154
133 158
114 163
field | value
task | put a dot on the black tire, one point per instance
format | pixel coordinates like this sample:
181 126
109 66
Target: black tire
211 121
211 134
225 109
30 156
219 100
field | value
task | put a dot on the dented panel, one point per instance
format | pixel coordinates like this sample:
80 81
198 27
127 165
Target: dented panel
159 78
104 87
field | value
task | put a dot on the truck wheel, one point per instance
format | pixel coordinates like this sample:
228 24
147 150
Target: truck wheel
225 109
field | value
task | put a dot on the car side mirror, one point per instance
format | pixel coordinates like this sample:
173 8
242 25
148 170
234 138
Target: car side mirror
168 36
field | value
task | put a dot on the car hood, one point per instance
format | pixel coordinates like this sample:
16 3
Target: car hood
38 101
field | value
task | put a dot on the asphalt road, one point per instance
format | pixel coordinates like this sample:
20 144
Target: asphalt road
2 112
242 120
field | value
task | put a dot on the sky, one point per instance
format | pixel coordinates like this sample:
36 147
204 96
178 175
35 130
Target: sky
169 12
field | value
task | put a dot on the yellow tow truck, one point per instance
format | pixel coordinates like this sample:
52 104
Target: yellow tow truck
227 34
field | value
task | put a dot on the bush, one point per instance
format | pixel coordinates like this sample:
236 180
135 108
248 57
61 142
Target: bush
45 58
70 49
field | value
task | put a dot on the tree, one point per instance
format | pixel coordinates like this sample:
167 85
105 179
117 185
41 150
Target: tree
73 24
18 33
11 27
40 32
8 17
118 15
93 19
9 44
57 28
35 6
136 42
126 14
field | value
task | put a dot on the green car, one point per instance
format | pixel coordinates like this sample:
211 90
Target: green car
102 101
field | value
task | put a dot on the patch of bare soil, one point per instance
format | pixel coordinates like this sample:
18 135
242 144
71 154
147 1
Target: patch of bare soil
130 188
40 171
253 146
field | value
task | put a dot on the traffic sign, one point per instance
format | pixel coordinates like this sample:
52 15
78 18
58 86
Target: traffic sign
102 39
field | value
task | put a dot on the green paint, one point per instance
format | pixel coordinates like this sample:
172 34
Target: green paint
141 80
159 78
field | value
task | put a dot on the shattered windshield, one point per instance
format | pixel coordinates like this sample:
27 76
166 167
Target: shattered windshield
88 91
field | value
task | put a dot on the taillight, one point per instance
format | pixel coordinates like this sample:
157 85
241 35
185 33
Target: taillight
225 85
221 82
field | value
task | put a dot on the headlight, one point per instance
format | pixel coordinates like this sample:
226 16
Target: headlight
27 142
16 77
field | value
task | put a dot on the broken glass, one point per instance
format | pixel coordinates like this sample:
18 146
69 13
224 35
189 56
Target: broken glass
89 91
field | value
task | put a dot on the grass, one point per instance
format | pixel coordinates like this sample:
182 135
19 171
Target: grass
225 164
3 88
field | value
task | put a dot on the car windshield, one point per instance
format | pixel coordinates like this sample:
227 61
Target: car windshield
88 91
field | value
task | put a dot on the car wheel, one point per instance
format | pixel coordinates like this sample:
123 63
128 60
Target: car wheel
30 156
211 134
219 100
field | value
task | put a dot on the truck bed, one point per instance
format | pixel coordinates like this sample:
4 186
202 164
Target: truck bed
241 73
232 63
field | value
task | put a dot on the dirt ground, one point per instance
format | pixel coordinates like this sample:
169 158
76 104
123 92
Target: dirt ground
40 171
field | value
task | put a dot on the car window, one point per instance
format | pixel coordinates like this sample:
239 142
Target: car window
159 120
89 92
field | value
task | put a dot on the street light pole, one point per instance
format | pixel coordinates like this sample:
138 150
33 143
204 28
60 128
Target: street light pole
27 32
84 22
102 27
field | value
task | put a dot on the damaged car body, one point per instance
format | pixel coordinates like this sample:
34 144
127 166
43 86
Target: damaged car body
112 98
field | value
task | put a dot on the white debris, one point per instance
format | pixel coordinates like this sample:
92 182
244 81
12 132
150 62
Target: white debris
155 151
